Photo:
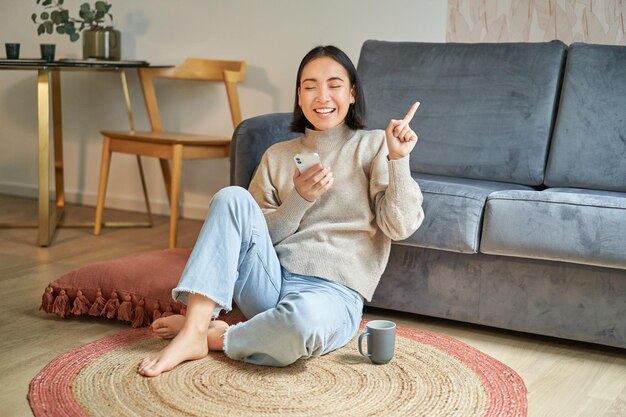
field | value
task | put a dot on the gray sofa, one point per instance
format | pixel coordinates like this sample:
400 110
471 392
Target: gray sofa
522 162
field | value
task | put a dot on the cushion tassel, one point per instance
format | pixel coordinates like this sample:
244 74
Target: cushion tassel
156 313
125 312
141 315
81 304
98 305
47 300
61 306
111 306
168 311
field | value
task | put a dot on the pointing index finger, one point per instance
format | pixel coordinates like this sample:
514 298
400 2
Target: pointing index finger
411 112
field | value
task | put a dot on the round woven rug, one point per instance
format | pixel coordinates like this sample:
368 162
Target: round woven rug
430 375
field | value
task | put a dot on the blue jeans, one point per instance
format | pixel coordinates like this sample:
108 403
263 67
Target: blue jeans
289 316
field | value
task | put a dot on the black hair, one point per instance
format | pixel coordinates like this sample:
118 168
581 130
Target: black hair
355 119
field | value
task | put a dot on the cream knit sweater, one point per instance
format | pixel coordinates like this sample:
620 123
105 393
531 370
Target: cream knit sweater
345 236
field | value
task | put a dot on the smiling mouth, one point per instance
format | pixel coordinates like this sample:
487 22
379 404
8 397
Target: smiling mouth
324 111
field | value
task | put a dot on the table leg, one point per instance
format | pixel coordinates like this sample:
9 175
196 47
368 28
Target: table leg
46 228
129 108
57 128
48 100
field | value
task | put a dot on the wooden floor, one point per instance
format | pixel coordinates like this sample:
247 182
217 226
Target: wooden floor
563 378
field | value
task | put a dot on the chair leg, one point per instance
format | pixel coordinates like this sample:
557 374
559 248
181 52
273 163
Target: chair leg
102 186
177 163
165 169
145 190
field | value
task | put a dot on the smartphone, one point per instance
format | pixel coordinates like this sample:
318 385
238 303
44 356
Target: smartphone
305 161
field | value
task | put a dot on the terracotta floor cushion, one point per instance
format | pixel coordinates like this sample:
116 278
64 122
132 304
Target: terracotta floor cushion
136 288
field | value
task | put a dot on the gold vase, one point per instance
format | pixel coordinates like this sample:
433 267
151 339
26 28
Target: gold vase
102 43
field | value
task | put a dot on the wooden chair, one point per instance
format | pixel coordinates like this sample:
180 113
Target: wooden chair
168 146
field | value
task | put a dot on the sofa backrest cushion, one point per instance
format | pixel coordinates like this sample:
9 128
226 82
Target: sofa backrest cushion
589 143
251 139
487 109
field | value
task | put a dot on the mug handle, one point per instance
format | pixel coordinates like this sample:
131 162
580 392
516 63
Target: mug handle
360 344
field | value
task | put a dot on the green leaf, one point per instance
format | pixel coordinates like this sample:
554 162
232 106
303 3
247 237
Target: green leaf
34 17
56 17
46 2
90 17
101 6
49 27
60 2
74 36
99 15
84 7
61 29
65 15
45 16
41 29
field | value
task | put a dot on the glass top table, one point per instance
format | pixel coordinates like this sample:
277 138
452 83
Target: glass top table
28 63
49 118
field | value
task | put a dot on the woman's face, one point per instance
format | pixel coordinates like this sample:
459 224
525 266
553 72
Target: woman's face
325 93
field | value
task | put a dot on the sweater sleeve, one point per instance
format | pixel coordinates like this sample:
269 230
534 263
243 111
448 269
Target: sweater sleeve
282 217
396 195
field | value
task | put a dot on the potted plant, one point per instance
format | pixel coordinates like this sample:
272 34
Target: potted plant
99 41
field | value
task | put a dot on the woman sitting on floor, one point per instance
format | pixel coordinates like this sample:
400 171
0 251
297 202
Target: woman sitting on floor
300 251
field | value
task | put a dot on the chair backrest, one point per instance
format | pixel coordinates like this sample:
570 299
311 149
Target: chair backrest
228 72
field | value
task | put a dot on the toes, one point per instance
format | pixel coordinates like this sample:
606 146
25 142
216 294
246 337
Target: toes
156 367
157 324
152 371
146 364
164 333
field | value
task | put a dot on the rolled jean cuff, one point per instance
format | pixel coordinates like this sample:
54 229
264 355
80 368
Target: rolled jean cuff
227 341
182 294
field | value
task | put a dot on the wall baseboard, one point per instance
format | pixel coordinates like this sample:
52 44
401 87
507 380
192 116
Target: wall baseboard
187 211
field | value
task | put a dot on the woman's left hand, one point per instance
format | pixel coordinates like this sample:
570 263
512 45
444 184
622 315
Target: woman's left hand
401 139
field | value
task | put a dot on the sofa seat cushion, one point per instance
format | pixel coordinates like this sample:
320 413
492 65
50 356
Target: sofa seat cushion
453 209
562 224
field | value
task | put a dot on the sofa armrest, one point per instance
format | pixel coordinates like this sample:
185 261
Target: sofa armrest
250 140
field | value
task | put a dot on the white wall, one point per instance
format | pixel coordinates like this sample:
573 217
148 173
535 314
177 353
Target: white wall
271 35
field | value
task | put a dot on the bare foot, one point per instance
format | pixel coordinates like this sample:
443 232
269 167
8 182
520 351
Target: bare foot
168 327
215 335
186 346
